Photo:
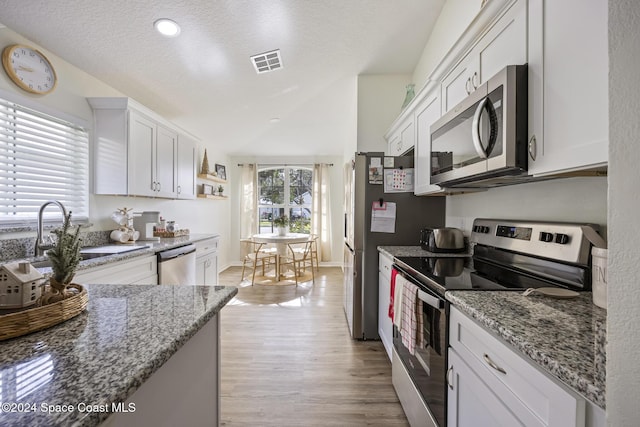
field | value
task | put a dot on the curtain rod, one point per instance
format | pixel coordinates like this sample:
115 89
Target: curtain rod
285 164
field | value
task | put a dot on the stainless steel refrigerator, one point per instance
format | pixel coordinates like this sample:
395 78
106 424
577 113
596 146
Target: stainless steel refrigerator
371 181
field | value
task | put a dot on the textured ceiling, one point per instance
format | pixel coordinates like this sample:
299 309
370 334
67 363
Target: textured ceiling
204 81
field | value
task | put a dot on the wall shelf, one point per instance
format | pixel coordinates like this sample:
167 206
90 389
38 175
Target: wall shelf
210 177
209 196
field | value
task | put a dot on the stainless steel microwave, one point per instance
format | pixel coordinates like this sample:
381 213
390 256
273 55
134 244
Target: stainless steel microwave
482 141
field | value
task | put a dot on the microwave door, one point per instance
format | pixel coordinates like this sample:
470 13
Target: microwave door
453 153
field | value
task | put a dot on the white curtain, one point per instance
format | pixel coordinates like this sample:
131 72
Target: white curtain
248 204
321 217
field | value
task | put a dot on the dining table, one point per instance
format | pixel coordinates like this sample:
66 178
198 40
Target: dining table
280 241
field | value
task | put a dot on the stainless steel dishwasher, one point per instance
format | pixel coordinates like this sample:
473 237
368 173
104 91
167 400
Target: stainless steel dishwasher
177 266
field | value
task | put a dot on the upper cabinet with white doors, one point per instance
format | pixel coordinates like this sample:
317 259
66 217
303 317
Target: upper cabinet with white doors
186 166
568 86
503 43
401 137
426 112
565 46
138 153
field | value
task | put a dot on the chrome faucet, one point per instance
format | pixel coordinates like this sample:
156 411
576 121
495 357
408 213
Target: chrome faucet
41 244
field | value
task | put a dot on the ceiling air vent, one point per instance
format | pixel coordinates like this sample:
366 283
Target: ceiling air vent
268 61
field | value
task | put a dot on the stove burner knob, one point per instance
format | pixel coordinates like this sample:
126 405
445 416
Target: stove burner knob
562 239
476 228
485 229
546 237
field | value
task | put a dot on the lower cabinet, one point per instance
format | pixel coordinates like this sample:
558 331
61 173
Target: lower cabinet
207 262
385 326
490 384
140 271
185 390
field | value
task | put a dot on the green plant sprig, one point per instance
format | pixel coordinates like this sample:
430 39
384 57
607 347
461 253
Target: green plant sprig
65 254
281 221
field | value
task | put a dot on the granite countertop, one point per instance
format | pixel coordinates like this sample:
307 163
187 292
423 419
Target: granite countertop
148 248
417 251
565 337
104 354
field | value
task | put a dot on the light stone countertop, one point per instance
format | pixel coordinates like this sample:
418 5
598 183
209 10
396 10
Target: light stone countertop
565 337
103 355
150 248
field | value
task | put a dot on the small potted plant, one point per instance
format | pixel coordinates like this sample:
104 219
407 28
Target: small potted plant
282 224
220 190
65 257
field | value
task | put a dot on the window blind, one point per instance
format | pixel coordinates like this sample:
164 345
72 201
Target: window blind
41 158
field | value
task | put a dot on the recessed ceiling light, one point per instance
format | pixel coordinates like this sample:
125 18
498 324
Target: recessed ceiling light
167 27
274 119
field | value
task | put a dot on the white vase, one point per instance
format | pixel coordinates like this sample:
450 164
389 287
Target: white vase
283 231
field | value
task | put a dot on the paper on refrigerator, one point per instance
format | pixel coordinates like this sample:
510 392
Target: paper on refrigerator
383 217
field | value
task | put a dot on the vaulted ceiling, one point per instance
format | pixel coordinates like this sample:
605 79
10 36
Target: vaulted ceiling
203 79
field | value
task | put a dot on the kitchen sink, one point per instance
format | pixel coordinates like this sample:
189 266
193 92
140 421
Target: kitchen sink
92 253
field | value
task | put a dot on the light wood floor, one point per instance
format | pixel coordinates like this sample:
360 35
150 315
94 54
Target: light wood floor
288 360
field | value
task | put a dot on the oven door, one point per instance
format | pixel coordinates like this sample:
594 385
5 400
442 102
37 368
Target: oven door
427 367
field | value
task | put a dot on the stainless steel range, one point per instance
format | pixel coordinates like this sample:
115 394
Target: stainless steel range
507 255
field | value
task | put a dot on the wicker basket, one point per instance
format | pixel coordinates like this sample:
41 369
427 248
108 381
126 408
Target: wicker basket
35 319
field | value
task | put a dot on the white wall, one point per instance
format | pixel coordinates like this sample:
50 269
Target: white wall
455 17
74 85
567 200
623 317
337 195
380 99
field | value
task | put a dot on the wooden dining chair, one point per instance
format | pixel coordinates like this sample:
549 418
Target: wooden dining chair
313 250
313 238
298 257
256 258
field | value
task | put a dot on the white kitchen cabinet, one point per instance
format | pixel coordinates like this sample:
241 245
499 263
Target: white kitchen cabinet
401 138
141 270
503 43
385 325
151 153
426 113
207 261
491 384
186 168
568 86
138 153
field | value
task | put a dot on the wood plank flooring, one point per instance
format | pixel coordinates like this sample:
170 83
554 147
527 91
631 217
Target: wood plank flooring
288 360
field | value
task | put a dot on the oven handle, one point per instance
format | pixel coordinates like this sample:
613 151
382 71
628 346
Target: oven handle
425 297
430 299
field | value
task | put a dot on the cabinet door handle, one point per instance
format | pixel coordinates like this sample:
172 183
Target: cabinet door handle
474 80
159 186
493 364
533 147
466 86
207 263
449 379
179 189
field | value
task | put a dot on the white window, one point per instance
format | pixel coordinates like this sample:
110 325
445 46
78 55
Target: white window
41 158
285 190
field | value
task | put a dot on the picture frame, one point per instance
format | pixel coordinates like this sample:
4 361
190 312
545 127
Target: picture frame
221 171
207 189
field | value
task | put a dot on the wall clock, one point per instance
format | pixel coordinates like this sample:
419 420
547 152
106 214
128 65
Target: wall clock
29 69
